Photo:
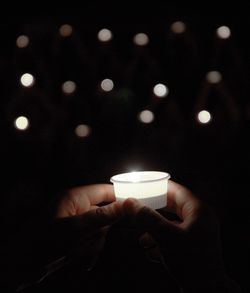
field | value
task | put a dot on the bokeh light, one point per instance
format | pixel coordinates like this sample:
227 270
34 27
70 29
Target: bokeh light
107 85
223 32
204 117
21 123
69 87
141 39
178 27
65 30
214 77
82 130
22 41
160 90
146 116
27 80
105 35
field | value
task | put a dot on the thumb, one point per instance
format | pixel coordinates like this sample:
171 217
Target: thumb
70 228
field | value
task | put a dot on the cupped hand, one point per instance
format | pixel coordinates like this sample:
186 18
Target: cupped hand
190 245
82 220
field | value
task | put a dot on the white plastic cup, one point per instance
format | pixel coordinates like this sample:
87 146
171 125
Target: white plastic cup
149 187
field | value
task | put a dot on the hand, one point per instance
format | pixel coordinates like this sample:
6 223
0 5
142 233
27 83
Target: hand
75 237
191 246
82 224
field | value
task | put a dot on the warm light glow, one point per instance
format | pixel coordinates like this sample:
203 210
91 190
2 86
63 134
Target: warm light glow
223 32
22 41
104 35
107 85
160 90
204 117
69 87
146 116
65 30
82 130
149 187
21 123
141 39
214 77
27 80
178 27
135 176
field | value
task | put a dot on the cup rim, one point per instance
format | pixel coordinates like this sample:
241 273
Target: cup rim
165 175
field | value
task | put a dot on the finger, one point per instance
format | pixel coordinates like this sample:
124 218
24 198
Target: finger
100 193
100 217
80 199
94 207
148 219
182 202
89 223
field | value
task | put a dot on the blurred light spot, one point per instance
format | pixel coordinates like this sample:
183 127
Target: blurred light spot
21 123
204 117
107 85
214 77
104 35
178 27
22 41
69 87
141 39
146 116
27 80
65 30
160 90
223 32
82 130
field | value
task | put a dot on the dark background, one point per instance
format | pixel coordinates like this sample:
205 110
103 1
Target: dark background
211 159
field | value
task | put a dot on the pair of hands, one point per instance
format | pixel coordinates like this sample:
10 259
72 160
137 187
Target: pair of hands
190 246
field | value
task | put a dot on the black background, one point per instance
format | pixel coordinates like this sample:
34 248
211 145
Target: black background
212 160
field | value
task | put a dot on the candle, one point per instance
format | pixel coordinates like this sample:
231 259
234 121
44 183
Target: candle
149 187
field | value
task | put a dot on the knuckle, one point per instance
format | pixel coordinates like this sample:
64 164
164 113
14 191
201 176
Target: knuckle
143 211
105 213
101 211
148 219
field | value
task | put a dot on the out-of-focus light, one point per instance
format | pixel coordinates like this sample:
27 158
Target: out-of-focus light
105 35
21 123
69 87
178 27
135 177
107 85
27 80
160 90
141 39
204 117
82 130
65 30
22 41
146 116
223 32
214 77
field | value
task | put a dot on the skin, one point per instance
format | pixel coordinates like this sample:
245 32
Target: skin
190 246
85 223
